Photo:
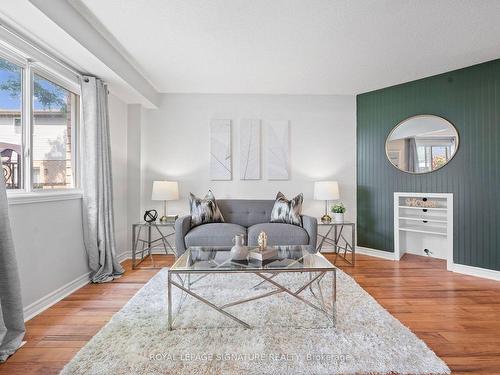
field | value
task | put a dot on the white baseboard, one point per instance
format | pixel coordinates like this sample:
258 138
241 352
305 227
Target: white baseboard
475 271
52 298
458 268
375 253
123 256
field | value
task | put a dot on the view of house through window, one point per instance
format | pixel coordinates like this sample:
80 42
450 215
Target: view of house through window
11 131
54 114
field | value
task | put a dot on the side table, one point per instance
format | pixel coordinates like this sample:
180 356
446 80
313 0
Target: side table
335 236
147 244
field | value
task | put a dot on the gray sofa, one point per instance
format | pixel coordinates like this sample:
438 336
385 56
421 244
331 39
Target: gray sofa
248 217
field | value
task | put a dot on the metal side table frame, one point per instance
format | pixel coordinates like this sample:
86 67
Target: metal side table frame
340 251
147 245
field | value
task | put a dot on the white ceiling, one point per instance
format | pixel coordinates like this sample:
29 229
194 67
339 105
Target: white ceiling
23 17
298 46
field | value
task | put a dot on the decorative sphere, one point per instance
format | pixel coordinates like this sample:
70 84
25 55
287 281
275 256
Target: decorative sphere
150 216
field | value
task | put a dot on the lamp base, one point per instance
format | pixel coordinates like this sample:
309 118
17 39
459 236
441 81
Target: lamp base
168 218
325 219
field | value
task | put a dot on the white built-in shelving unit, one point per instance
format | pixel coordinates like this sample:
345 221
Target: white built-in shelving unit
420 230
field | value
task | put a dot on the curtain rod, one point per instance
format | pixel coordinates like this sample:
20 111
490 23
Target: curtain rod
33 45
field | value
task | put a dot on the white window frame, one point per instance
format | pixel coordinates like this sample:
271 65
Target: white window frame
26 194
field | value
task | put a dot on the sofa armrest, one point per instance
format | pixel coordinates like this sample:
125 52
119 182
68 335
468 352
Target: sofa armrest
182 227
310 224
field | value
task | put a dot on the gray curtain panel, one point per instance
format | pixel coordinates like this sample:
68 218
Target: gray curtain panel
411 155
11 307
96 177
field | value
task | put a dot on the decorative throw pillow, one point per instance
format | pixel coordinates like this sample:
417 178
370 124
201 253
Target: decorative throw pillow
204 210
287 211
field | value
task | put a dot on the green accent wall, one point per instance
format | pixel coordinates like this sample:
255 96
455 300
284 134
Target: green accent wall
470 99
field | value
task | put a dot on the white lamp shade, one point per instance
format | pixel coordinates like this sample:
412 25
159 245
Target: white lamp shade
326 190
165 191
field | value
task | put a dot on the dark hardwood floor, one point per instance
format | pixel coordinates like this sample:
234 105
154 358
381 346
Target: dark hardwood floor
457 316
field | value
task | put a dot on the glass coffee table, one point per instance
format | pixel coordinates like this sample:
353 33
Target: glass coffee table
202 262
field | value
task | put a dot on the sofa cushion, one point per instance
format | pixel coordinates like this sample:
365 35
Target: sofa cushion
278 234
287 210
213 234
204 210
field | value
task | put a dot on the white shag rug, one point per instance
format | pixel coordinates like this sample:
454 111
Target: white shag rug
288 336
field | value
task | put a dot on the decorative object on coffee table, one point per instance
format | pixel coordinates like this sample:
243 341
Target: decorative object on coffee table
263 252
262 255
338 212
239 251
326 191
165 191
262 241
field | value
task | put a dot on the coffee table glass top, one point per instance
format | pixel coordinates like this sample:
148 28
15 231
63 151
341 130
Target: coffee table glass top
218 259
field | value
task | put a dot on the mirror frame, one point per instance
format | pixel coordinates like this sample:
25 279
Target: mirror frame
457 146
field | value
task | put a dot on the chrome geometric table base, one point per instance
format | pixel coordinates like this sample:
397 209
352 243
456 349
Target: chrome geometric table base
340 244
315 278
148 244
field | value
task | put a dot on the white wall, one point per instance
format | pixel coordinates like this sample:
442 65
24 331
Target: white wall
175 146
49 246
48 236
133 167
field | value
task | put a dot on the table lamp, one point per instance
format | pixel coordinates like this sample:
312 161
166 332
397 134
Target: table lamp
165 191
326 191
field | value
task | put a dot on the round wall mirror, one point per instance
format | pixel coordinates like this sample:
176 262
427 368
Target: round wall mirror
422 144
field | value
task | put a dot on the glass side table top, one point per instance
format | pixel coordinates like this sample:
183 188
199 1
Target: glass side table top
157 223
218 260
336 223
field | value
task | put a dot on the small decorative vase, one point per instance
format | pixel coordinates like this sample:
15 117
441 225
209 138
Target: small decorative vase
239 251
338 217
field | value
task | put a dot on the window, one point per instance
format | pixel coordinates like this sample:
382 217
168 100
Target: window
54 116
38 118
434 153
11 136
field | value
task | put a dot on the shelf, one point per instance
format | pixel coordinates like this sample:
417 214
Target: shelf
417 228
429 230
430 219
425 208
